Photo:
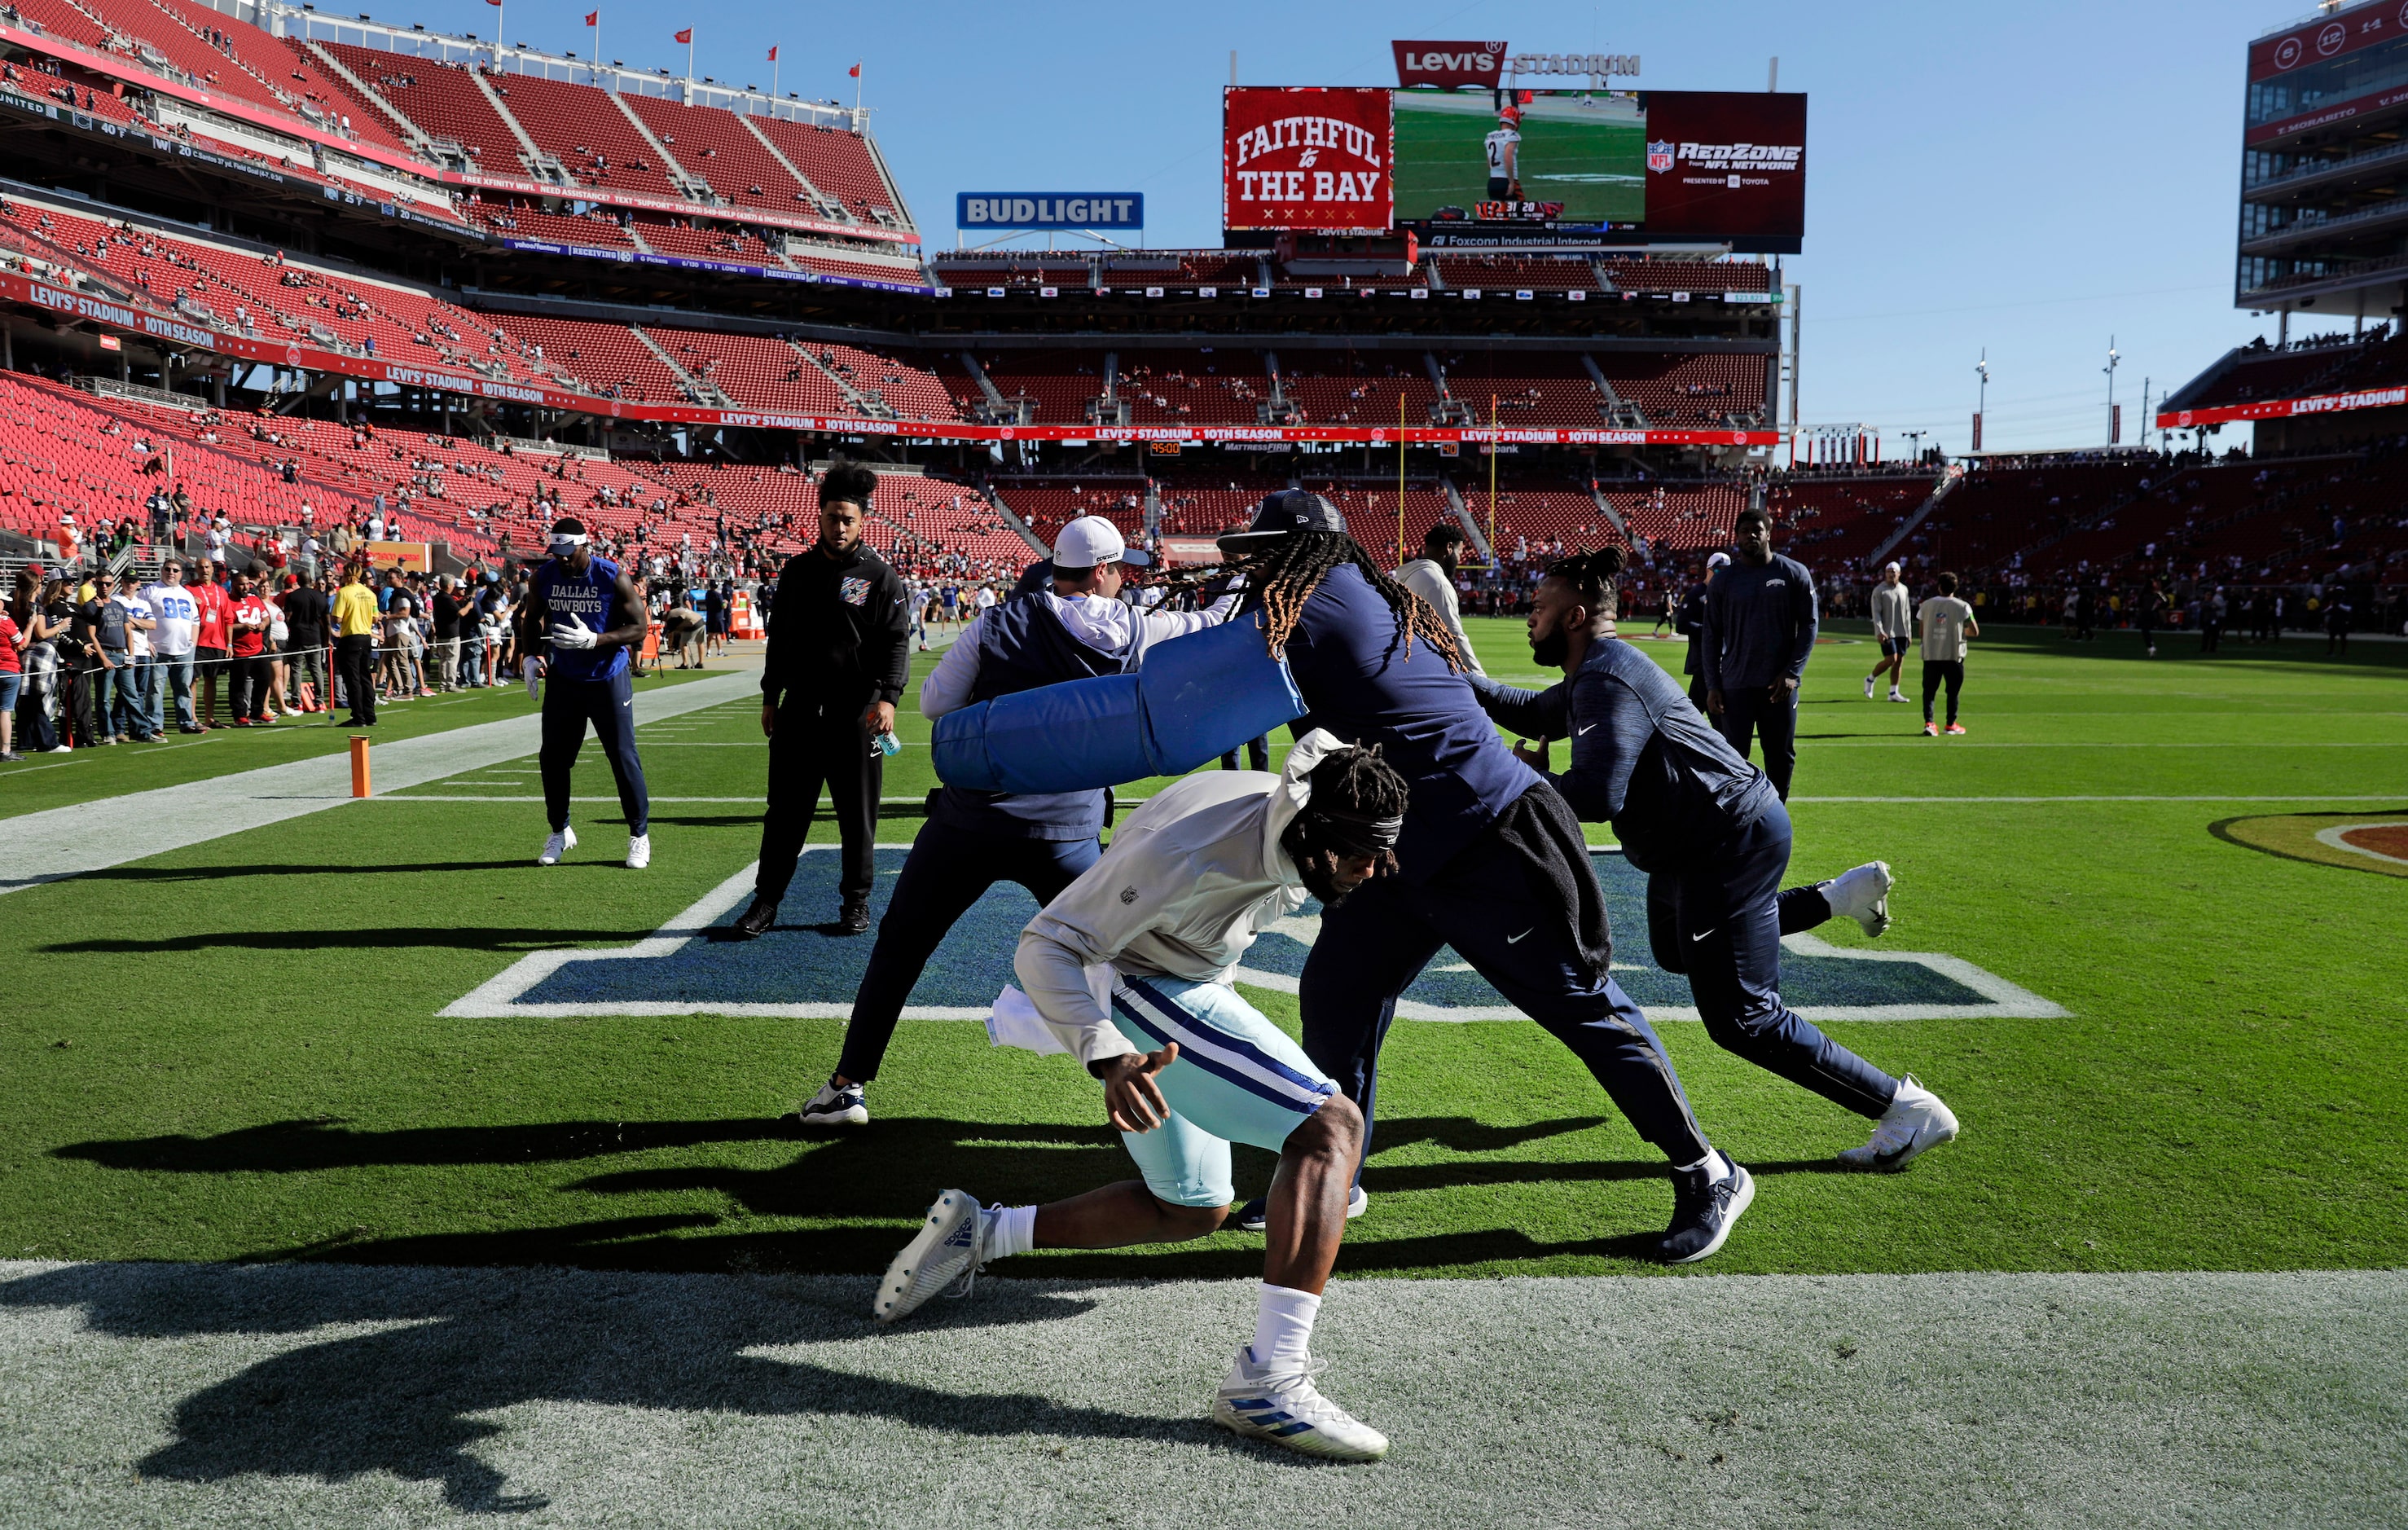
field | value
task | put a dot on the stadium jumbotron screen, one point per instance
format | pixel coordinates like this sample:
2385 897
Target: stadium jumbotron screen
1473 166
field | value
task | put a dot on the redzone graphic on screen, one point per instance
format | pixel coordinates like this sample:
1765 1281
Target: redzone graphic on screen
1313 158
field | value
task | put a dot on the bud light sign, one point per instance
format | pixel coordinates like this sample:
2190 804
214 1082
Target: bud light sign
1048 210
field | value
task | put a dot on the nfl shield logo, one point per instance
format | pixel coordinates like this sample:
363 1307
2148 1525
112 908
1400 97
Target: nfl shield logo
1659 158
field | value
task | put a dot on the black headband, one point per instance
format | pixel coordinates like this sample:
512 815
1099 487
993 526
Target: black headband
1351 833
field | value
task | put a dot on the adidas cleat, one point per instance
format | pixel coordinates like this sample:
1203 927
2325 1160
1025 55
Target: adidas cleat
1255 1215
1862 893
560 844
835 1107
1915 1123
944 1256
1288 1410
1704 1212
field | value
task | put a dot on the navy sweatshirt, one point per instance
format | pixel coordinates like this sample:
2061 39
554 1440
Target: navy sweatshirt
1643 758
1759 624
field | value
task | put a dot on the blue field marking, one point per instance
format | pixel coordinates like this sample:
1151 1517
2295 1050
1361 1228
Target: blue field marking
801 971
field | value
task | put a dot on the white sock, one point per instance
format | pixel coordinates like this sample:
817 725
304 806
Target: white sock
1008 1230
1717 1167
1284 1327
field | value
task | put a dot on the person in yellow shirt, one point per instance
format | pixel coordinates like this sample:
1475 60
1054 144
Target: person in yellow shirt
355 621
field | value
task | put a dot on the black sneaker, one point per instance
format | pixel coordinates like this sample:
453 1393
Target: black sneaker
855 918
1704 1213
1255 1215
754 921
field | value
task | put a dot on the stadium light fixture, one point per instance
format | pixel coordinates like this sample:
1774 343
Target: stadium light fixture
2114 356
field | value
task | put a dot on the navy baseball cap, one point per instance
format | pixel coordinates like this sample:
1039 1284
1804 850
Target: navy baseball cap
1281 516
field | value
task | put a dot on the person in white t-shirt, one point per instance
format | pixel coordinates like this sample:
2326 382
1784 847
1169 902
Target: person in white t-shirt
177 616
142 676
1946 621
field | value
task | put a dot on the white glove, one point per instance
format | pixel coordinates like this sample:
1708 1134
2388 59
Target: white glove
575 635
531 669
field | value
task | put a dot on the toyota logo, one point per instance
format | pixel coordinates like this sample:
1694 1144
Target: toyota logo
2330 39
2286 53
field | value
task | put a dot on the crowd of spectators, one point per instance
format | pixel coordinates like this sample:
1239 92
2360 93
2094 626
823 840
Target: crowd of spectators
88 664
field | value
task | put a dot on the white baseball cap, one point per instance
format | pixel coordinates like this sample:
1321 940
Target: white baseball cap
1088 541
1718 559
1892 568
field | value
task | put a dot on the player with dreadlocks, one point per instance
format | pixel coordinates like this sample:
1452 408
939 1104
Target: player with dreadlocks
1490 860
1714 838
1129 970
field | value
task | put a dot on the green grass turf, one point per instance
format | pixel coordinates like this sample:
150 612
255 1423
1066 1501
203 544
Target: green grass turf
233 1051
1596 170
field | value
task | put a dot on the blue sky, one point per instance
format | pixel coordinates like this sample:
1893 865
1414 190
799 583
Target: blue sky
2029 179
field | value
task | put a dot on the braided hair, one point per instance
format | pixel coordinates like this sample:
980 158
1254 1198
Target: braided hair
1591 575
1352 788
1283 578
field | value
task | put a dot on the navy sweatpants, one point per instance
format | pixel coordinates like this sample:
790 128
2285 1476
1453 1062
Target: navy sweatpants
1375 943
1753 711
609 706
1721 922
947 870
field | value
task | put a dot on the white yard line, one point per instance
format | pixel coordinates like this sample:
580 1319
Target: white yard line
90 836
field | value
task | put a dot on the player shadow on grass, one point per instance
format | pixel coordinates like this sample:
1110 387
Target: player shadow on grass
454 1347
869 1183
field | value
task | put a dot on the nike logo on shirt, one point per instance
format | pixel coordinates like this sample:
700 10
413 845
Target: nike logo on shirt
1515 939
1695 938
1584 730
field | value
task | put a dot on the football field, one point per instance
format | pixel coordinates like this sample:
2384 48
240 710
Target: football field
354 1169
1593 160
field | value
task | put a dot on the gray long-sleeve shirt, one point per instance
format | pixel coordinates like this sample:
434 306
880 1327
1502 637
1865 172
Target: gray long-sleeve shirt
1759 624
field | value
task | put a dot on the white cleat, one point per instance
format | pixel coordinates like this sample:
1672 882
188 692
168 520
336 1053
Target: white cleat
1288 1409
946 1252
1869 688
1897 694
639 851
1915 1123
1862 893
560 844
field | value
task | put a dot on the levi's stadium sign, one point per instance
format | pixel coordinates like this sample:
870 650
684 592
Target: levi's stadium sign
1306 157
2285 408
1448 64
1048 209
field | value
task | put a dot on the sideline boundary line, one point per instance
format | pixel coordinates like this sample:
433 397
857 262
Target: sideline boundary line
86 837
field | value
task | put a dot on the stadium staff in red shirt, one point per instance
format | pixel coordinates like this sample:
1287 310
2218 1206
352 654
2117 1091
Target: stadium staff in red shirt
212 638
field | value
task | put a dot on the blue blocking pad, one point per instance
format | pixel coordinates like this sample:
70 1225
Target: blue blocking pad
1195 699
1208 694
1073 737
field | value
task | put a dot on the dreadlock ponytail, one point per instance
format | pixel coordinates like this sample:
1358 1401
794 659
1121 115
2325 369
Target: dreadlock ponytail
1285 578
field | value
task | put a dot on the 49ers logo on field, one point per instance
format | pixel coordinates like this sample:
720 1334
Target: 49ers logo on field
1308 158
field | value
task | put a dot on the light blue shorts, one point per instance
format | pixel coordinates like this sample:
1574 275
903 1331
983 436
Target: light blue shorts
1238 1079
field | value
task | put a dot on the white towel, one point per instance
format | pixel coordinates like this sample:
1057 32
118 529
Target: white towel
1016 1023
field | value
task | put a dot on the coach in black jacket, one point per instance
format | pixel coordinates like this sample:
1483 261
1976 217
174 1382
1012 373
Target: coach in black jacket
839 658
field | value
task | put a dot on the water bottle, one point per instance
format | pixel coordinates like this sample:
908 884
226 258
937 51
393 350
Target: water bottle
886 744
